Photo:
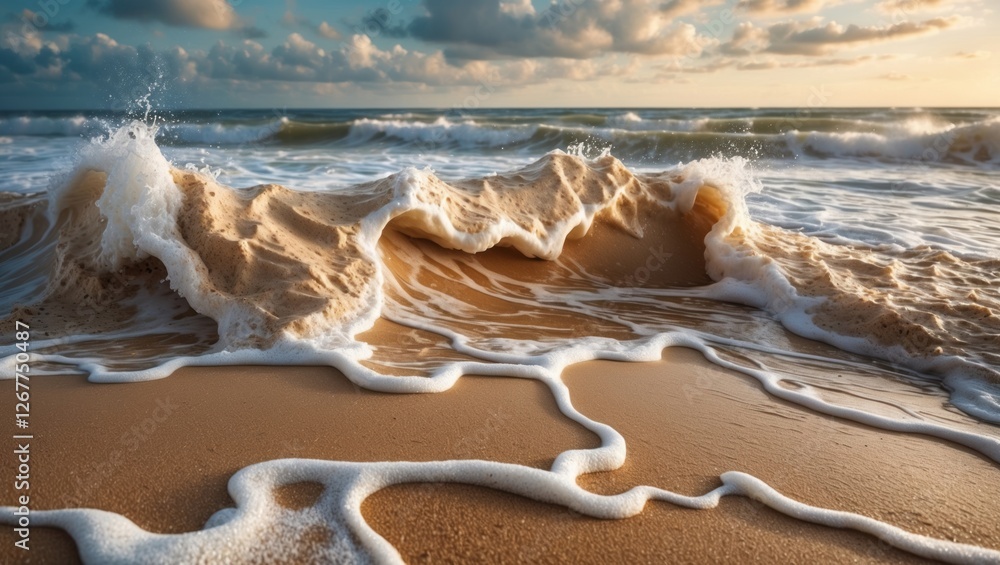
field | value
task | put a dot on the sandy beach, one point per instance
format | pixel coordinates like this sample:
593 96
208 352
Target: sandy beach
161 453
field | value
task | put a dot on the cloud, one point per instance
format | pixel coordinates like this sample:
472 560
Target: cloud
677 66
292 20
910 6
824 39
517 8
747 39
758 65
678 8
495 29
207 14
327 31
251 32
768 8
507 43
813 38
896 77
40 21
13 64
770 63
358 63
972 55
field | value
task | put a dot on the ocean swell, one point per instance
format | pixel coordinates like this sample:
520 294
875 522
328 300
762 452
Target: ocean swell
928 139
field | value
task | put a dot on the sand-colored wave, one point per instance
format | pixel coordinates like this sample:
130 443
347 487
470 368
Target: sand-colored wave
520 262
269 263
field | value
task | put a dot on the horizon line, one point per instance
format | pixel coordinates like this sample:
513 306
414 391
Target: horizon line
445 108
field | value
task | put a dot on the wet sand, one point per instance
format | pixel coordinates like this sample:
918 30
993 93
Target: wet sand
161 453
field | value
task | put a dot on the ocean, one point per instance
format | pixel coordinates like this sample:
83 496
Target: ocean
846 259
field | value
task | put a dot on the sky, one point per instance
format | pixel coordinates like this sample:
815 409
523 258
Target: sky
104 54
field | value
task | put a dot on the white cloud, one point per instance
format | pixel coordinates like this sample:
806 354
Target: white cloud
814 38
208 14
492 29
903 7
327 31
768 8
517 8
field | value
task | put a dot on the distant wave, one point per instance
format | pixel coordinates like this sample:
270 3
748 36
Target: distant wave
628 134
442 131
631 121
221 134
974 144
633 137
47 126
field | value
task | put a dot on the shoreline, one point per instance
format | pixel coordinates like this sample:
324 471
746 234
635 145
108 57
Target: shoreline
222 419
